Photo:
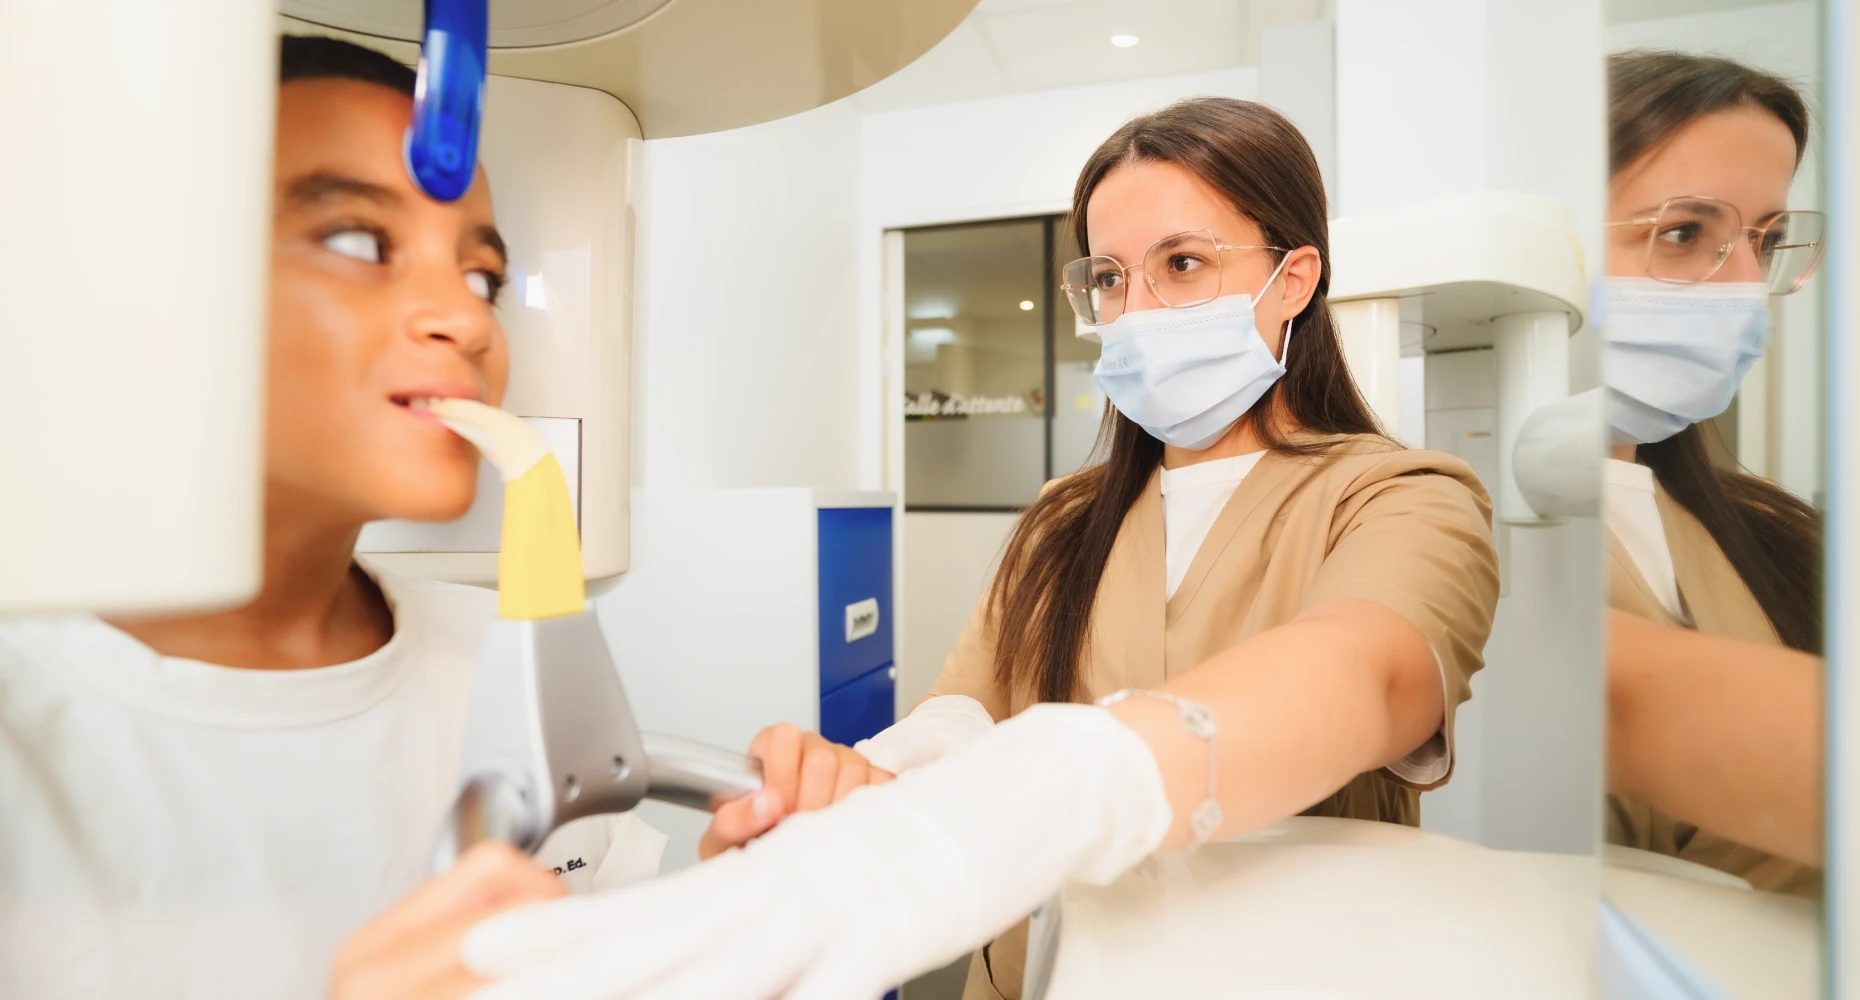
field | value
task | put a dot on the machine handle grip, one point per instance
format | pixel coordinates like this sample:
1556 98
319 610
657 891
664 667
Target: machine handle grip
697 776
500 804
493 805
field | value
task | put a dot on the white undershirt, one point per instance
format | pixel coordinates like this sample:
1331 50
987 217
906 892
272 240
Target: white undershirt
1193 498
174 829
1633 517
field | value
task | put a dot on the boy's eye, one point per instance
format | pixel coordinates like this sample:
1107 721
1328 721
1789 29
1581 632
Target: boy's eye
356 243
482 284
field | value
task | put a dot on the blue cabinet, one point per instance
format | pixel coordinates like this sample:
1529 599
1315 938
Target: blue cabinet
858 684
857 710
855 593
857 681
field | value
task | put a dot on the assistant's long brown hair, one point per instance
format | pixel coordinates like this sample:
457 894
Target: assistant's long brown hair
1042 596
1771 537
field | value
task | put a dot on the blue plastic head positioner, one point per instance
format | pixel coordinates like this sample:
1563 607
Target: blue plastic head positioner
442 142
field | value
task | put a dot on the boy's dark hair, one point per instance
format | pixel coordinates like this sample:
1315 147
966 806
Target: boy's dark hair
312 57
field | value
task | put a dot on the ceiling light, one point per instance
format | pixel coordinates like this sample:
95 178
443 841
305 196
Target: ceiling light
1124 41
1026 305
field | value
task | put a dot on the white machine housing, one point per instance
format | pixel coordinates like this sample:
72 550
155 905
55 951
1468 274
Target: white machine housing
1305 908
1462 274
131 348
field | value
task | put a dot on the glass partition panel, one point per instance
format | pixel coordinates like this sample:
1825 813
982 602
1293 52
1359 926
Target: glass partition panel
977 326
1714 359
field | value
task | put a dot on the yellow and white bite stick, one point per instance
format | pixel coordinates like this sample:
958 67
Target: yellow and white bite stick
539 564
550 737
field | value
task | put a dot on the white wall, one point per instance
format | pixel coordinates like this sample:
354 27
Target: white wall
746 330
950 560
1441 97
1006 156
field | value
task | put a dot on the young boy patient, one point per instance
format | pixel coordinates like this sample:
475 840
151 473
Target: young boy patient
206 806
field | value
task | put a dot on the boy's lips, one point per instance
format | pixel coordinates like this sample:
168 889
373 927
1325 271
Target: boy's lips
437 390
426 416
414 401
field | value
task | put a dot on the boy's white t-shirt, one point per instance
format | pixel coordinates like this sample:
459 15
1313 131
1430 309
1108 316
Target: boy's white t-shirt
175 829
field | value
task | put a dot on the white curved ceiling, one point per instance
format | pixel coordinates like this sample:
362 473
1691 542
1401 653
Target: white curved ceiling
1014 46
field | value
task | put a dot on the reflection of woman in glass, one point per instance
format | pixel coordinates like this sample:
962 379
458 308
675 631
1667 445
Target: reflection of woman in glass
1298 600
1714 717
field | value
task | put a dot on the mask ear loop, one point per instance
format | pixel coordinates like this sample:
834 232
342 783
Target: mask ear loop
1285 346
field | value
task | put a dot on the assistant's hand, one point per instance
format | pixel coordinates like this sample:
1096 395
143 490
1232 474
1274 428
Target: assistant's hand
411 952
842 904
801 772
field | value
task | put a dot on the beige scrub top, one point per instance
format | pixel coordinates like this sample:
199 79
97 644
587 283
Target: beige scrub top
1368 519
1720 604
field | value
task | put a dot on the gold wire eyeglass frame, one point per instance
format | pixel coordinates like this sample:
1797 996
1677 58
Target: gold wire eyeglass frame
1125 269
1722 252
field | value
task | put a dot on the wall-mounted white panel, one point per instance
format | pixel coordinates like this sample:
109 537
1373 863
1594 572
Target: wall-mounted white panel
748 338
135 194
1298 77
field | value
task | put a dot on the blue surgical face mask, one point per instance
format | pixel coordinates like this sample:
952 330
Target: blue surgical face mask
1188 375
1675 354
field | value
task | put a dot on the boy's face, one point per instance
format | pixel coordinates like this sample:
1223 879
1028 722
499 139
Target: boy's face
378 294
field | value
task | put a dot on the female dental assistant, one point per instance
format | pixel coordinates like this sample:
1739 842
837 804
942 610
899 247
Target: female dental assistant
1714 677
1276 609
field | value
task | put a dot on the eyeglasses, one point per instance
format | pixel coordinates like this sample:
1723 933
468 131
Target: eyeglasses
1691 237
1182 270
